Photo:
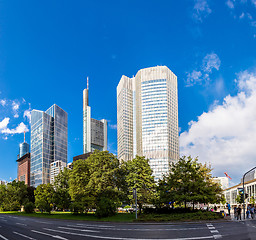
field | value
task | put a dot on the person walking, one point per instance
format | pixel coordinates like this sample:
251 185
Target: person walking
239 213
229 207
252 212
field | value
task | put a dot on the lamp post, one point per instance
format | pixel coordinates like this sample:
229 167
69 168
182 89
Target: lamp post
243 189
135 196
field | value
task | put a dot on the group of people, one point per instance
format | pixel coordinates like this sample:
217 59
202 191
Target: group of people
249 212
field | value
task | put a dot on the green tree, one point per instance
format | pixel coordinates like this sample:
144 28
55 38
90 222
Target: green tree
96 183
139 176
190 181
105 182
62 197
44 197
238 199
78 181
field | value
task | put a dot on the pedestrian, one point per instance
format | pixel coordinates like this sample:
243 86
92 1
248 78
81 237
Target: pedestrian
239 212
248 212
215 208
229 207
252 212
235 212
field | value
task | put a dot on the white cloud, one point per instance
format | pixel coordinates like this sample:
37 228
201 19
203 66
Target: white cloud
4 123
3 102
210 61
253 2
19 129
242 15
225 136
15 108
230 4
27 114
194 77
113 126
201 9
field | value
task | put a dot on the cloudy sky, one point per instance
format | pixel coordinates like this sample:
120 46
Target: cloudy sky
48 48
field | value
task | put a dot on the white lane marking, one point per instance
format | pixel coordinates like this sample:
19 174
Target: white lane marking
81 230
22 224
1 236
214 231
47 234
88 225
43 222
209 225
141 229
3 220
211 228
24 236
217 236
119 238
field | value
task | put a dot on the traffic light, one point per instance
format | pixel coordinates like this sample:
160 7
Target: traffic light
242 197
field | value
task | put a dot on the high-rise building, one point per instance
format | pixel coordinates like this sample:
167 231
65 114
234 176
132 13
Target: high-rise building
24 148
56 168
48 142
24 168
147 118
94 131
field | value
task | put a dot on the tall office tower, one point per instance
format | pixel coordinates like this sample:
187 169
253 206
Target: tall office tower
94 131
147 118
24 148
48 142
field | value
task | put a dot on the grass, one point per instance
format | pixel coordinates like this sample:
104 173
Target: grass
120 217
196 216
125 217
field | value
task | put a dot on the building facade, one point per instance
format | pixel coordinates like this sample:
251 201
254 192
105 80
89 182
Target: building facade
147 118
56 168
232 193
222 181
48 142
24 169
94 131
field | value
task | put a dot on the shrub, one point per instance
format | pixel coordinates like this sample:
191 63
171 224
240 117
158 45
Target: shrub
105 208
29 207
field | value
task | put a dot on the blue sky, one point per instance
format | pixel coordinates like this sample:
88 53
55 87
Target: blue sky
48 48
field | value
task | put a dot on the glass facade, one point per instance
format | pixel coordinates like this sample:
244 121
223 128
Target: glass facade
24 148
48 142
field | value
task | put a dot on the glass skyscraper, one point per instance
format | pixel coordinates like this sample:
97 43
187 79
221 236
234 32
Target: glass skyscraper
48 142
147 118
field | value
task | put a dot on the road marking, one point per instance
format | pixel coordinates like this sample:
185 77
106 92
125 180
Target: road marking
120 238
95 225
47 234
217 236
22 224
24 236
82 230
141 229
211 227
43 222
214 231
1 236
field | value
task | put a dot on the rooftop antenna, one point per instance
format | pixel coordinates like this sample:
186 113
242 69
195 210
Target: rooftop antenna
87 83
24 136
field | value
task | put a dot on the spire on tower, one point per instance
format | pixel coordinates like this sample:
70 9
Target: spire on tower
87 83
24 136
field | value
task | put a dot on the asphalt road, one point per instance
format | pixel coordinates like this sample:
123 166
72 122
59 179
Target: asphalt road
22 228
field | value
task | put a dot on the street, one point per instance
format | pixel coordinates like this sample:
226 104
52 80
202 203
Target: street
17 227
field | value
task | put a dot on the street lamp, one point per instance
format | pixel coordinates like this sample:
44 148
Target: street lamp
243 189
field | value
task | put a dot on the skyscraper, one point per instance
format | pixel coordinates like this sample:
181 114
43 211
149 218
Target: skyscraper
48 142
94 131
147 118
24 148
